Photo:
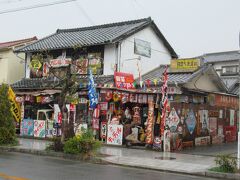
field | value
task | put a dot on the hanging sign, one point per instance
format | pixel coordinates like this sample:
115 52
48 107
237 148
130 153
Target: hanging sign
115 134
124 80
45 69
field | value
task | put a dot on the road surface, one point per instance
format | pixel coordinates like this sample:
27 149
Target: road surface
19 166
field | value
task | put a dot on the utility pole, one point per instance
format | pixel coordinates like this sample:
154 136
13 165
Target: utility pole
239 107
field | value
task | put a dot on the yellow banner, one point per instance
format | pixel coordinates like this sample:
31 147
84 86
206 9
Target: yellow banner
15 108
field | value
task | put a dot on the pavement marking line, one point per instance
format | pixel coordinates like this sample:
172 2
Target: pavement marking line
7 177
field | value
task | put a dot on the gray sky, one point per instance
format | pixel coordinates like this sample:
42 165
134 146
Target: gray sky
192 27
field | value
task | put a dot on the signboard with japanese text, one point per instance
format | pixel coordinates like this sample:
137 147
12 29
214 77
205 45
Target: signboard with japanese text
39 128
95 65
124 80
227 101
60 62
142 47
187 65
115 134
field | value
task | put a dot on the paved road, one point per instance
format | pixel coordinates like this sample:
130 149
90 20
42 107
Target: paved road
18 166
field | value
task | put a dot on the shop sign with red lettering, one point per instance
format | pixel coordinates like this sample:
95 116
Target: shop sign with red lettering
60 62
124 80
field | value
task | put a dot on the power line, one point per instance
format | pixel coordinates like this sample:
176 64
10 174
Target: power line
84 13
35 6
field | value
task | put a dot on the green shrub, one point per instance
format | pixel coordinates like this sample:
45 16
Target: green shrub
84 144
226 163
7 128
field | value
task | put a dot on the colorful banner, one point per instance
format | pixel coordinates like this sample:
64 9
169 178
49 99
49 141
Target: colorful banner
39 128
92 95
124 80
150 123
115 134
27 126
62 62
15 108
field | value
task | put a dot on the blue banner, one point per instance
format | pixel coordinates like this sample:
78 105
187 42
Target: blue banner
92 95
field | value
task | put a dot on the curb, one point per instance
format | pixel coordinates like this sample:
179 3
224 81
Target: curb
100 160
51 154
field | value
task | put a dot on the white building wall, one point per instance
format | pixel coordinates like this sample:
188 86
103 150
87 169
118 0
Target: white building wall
159 53
109 59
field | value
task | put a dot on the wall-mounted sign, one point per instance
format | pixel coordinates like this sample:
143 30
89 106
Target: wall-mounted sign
227 101
142 48
60 62
124 80
184 65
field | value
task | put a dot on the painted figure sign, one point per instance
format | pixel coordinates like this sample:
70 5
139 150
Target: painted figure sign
173 120
191 121
27 127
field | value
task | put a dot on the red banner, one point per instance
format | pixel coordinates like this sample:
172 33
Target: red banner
124 80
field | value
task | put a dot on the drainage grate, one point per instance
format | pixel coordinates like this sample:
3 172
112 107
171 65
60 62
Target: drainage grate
165 158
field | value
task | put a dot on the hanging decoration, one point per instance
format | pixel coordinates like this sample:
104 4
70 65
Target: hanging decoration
155 82
164 101
148 82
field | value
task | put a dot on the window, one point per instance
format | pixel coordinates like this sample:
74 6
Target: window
230 70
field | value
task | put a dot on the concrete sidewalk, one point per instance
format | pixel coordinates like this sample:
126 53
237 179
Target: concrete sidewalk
173 162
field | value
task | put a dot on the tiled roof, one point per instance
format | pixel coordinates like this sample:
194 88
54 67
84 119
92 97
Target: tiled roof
17 42
181 77
232 83
94 35
221 56
44 83
156 73
229 80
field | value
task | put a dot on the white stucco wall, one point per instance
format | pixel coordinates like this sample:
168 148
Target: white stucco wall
110 58
159 53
